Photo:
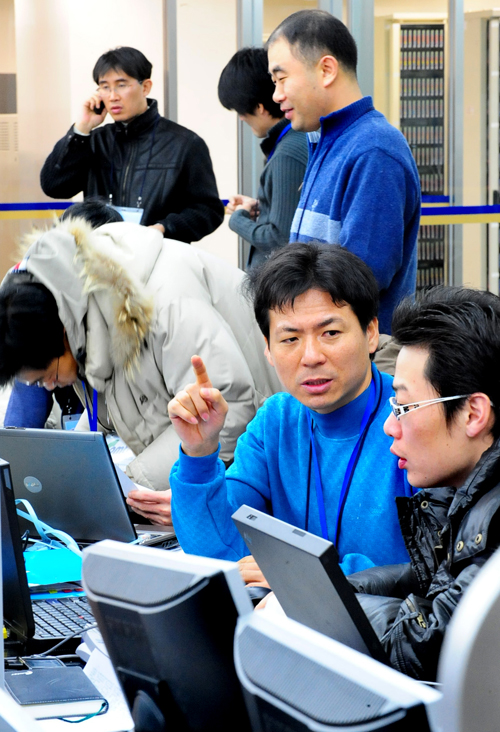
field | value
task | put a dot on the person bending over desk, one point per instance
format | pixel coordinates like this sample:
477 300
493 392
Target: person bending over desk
315 456
117 311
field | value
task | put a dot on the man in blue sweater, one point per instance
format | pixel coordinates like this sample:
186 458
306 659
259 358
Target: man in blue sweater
315 456
361 187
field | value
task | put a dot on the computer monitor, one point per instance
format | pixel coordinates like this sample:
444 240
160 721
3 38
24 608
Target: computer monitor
296 679
469 661
17 612
13 718
168 622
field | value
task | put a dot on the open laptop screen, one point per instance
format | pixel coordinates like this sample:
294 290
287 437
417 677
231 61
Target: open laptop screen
16 598
70 480
303 571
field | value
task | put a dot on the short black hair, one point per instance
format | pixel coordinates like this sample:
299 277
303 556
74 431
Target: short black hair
460 329
314 33
297 268
94 210
245 83
124 58
31 332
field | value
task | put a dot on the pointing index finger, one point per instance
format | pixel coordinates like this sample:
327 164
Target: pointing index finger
202 378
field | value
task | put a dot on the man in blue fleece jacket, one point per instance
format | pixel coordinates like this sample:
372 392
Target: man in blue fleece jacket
361 188
315 456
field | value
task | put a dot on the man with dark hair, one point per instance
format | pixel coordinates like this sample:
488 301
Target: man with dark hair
246 87
315 456
155 171
361 187
445 426
29 406
117 311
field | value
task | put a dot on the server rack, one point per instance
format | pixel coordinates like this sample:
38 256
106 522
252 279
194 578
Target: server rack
422 121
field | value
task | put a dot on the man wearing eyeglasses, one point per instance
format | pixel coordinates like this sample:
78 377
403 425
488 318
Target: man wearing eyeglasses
154 171
445 427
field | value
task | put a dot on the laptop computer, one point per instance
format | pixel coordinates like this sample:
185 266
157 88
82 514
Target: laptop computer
70 480
304 573
38 622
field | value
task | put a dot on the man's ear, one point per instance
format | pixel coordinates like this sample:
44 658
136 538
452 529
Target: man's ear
372 335
480 417
329 69
146 86
267 353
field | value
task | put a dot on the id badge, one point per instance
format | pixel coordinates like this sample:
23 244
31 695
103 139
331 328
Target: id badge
132 215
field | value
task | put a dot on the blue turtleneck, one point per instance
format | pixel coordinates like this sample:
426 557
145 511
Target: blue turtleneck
271 473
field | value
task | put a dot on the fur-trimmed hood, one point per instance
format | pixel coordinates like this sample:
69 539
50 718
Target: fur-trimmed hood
99 280
105 282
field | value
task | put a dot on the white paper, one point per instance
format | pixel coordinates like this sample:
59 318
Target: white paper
272 607
121 454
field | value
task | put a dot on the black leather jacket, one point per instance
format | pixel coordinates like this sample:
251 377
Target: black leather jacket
449 535
170 163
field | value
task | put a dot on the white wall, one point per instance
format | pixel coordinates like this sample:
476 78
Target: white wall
7 45
96 26
57 45
206 40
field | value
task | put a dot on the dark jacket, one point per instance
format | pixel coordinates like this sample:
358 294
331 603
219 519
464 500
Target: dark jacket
449 535
170 163
278 195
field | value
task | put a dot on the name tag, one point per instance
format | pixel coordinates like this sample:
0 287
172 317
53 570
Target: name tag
132 215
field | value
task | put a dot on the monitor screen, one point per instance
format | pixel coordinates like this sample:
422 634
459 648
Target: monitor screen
168 622
17 611
296 679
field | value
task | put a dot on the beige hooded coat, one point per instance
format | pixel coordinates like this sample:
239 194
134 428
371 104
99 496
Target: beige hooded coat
136 307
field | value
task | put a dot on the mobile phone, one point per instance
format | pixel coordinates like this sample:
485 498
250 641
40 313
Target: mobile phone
41 662
99 109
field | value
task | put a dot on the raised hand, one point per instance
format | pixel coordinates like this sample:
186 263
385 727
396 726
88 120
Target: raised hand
89 118
198 413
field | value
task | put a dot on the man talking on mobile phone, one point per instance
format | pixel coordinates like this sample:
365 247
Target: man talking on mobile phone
154 171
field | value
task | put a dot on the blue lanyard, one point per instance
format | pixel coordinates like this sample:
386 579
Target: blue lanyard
369 413
92 414
282 134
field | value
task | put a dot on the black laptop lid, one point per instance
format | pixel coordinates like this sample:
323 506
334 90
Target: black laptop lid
70 480
304 573
17 609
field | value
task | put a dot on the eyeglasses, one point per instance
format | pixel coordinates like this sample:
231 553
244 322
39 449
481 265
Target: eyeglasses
42 383
120 88
399 410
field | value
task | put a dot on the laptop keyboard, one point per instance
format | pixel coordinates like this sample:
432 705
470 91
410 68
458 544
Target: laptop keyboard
62 616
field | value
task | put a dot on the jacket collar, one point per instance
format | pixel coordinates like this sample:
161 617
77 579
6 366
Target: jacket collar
269 142
142 123
334 124
484 477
